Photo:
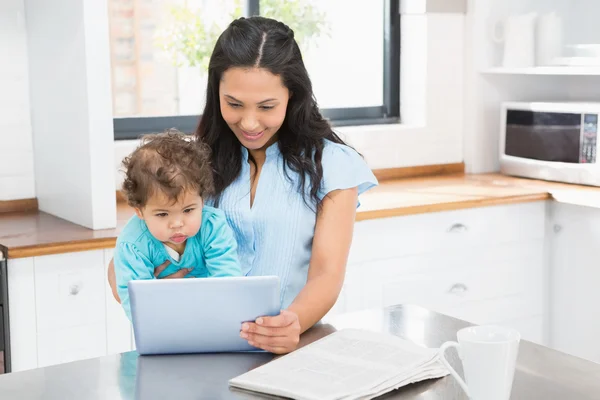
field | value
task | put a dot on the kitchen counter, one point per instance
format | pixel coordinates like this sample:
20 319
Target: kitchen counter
542 373
36 233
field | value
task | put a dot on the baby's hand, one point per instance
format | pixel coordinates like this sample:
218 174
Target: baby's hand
182 273
179 274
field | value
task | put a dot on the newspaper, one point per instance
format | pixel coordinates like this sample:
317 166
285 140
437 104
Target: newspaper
348 364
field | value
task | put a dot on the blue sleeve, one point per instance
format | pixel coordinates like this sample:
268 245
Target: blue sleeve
130 264
219 247
344 168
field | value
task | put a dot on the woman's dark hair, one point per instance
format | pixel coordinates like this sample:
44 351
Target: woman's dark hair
259 42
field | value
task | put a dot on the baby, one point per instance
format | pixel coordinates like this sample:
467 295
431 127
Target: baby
167 178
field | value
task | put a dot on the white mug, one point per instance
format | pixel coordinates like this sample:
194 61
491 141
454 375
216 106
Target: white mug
548 39
517 34
489 356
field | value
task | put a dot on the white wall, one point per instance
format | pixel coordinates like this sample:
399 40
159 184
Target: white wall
432 77
432 98
70 88
16 148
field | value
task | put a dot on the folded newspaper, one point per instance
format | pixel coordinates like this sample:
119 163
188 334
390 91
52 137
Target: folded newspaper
348 364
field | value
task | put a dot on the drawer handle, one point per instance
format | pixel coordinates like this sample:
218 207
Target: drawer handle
457 228
74 290
458 288
557 228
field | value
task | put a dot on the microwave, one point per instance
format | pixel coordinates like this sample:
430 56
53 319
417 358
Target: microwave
553 141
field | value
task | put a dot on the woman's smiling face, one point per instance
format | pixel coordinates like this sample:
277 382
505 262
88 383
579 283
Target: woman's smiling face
253 104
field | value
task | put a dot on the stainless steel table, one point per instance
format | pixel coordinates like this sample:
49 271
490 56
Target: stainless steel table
542 373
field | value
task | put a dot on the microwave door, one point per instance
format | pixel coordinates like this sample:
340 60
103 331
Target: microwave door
546 136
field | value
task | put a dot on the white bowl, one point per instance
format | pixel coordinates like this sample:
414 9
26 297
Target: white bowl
586 50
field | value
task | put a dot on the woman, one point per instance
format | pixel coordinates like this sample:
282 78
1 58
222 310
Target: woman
287 183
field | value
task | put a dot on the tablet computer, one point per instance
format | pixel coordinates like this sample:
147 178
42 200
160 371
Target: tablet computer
199 315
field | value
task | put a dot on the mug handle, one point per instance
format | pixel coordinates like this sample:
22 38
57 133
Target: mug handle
455 374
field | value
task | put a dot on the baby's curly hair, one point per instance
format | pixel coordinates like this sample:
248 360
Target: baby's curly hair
170 162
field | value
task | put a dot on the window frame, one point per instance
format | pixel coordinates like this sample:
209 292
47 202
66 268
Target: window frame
131 128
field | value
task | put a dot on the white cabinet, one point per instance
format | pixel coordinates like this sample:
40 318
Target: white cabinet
350 297
514 265
484 265
70 306
22 314
119 336
435 232
61 310
450 282
574 258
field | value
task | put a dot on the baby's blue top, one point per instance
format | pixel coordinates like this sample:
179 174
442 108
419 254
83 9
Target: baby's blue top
211 252
275 235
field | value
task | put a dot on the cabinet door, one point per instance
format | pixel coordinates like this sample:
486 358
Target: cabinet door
21 299
511 311
574 243
496 284
449 279
118 327
350 297
70 306
531 329
436 232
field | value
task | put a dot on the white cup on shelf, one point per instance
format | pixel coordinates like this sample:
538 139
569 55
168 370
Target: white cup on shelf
489 355
549 39
516 33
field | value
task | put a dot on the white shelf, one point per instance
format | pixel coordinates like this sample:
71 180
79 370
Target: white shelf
544 71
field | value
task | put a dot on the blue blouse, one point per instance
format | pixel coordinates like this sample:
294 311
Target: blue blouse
275 235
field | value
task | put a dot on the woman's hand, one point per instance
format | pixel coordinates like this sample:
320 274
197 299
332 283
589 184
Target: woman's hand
278 335
112 279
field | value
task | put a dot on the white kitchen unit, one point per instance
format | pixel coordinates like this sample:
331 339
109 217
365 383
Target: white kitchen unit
572 74
574 263
531 266
483 265
61 310
22 323
119 333
70 307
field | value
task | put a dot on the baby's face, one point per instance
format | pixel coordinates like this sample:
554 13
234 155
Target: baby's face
172 223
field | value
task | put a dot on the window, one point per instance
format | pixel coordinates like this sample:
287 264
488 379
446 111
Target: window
160 50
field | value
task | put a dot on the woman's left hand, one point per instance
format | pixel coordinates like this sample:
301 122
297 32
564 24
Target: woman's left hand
278 335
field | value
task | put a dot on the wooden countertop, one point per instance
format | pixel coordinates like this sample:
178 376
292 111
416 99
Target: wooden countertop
37 233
